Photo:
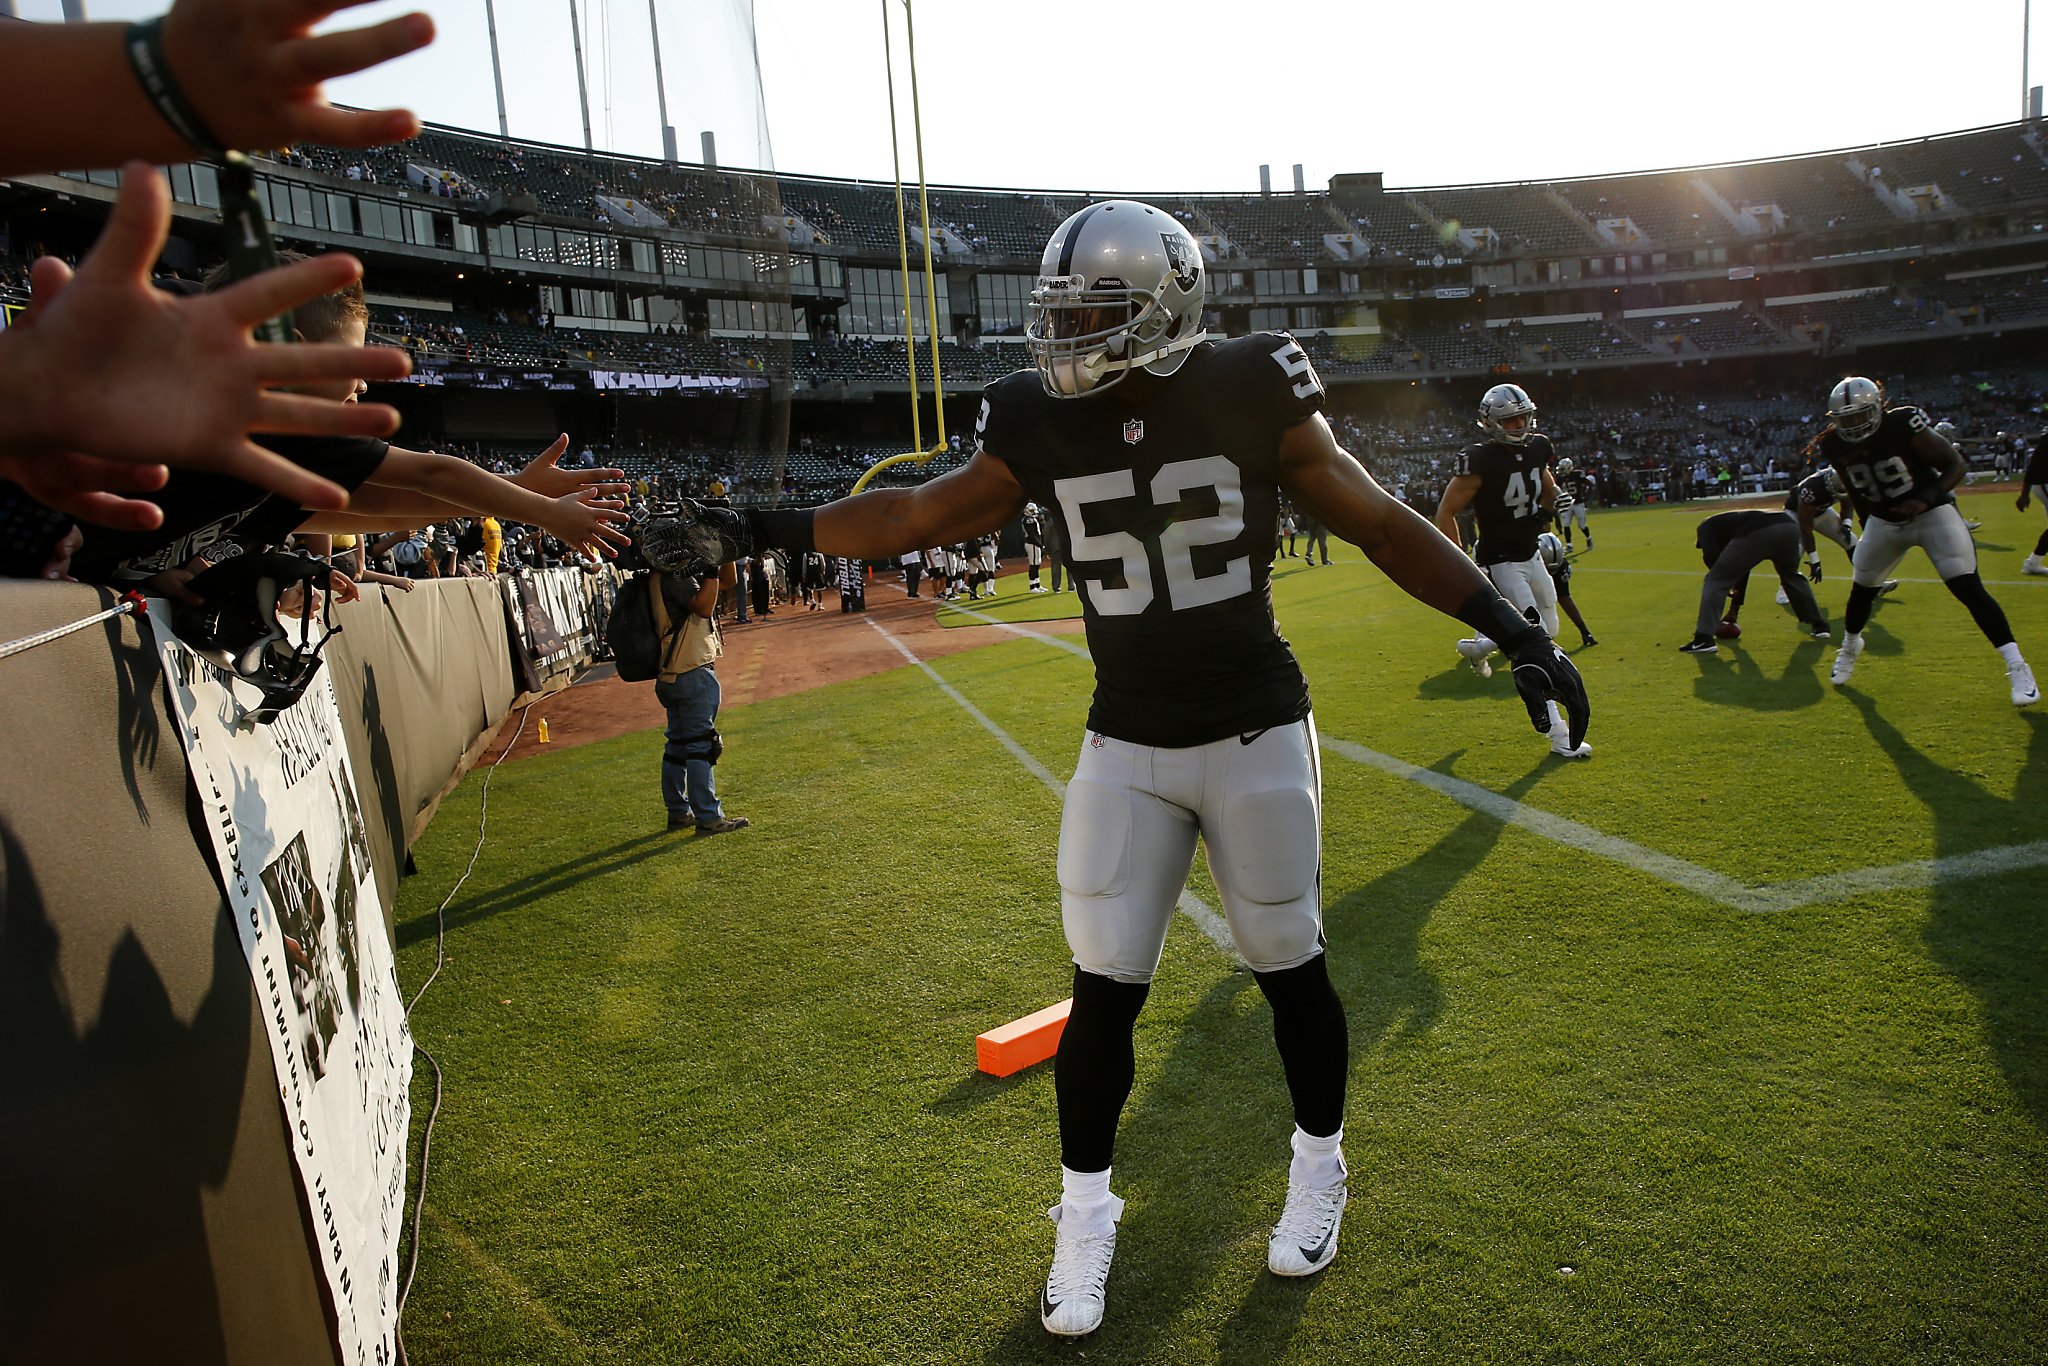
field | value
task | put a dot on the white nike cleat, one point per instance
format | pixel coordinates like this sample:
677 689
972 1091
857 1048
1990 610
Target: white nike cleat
1782 600
2024 691
1887 588
2033 565
1475 652
1305 1239
1845 660
1074 1296
1561 746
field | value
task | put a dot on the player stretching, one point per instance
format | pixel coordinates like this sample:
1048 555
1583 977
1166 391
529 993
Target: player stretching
1506 481
1162 456
1901 475
1814 500
1557 562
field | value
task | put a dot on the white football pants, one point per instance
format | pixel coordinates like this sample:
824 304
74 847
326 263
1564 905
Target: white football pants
1526 584
1127 841
1938 531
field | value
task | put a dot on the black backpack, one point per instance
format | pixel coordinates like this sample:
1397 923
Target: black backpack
637 648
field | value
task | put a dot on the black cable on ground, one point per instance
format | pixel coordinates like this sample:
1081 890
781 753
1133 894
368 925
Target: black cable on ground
440 952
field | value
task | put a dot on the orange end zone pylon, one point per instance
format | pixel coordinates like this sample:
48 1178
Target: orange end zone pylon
1020 1043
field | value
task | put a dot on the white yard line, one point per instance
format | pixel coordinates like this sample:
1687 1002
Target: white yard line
1193 907
1691 877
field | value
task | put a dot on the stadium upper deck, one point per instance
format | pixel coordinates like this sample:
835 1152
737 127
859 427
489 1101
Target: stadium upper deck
490 252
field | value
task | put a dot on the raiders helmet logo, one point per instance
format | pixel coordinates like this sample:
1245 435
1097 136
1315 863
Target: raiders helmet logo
1134 431
1186 270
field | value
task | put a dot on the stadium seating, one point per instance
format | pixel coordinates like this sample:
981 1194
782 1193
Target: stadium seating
1558 342
1287 227
1986 169
1524 216
1882 313
1814 193
1666 207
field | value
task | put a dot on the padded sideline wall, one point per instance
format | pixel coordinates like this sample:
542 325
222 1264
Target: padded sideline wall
147 1195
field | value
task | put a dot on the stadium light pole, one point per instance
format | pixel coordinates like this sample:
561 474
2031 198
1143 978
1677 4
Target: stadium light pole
497 70
668 134
582 85
2026 37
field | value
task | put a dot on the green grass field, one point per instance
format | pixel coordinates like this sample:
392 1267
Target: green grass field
714 1101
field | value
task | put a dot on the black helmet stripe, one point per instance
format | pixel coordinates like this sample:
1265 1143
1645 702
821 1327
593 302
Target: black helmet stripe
1074 238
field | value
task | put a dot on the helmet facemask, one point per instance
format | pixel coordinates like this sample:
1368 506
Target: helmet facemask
1856 408
1085 340
237 624
1503 404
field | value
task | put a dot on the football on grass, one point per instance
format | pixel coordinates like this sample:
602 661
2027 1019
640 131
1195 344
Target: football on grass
1728 630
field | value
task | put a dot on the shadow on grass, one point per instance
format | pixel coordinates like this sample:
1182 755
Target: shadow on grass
1460 684
1219 1106
1991 944
1737 681
976 1089
535 886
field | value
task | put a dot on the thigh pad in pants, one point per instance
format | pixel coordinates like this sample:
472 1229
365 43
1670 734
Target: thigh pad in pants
1262 821
1123 862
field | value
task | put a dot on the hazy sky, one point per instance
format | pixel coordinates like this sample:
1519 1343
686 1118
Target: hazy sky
1134 95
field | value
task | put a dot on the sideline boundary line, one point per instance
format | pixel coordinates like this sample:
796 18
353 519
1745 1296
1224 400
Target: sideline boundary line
1736 895
1193 907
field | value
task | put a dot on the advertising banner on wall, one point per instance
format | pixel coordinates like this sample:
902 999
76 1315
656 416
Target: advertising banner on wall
288 837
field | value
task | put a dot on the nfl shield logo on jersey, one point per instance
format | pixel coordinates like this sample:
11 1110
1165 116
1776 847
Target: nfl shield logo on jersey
1134 431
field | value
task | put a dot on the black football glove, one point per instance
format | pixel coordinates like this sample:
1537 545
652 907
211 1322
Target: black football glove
1542 675
695 539
1813 571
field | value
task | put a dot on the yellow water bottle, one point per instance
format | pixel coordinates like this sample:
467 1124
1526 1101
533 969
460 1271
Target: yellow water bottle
543 730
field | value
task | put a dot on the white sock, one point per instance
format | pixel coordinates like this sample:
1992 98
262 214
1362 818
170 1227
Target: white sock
1085 1196
2010 653
1317 1161
1558 729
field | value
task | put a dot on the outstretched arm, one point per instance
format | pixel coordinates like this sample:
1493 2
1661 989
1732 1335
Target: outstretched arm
979 497
1325 480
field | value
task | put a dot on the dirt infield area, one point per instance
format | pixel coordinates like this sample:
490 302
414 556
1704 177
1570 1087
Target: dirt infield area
790 651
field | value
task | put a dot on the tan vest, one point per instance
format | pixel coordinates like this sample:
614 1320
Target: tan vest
695 646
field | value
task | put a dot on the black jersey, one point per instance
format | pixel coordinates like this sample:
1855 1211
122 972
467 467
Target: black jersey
1034 529
1811 492
1579 485
1886 471
1166 500
1508 505
2037 463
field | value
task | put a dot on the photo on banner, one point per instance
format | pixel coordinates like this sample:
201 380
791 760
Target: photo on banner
294 857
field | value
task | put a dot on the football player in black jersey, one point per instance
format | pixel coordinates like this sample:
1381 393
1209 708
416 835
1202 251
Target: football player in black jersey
1507 483
1901 475
1574 495
1034 542
1814 501
2034 484
1162 456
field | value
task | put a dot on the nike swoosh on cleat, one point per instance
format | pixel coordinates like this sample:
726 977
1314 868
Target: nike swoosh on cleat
1315 1254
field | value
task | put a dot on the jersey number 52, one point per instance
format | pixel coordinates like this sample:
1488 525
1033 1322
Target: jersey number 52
1176 543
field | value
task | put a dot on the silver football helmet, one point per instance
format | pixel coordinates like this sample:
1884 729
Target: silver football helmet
1947 432
1564 464
1856 407
1836 485
1502 402
1551 549
1119 288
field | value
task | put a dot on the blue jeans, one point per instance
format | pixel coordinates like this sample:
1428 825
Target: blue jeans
687 786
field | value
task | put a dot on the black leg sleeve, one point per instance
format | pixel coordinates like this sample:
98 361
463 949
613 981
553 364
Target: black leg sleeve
1093 1071
2041 546
1856 615
1990 617
1315 1044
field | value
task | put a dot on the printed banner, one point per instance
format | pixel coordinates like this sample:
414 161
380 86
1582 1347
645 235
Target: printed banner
288 835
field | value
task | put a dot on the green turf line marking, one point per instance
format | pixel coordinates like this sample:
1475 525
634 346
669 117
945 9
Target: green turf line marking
1190 905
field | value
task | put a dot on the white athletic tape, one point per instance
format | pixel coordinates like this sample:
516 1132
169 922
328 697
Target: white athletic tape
1190 905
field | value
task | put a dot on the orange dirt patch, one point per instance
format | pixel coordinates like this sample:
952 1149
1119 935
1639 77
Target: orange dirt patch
791 651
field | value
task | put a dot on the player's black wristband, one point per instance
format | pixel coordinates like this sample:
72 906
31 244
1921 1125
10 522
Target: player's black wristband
145 47
1488 613
783 528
